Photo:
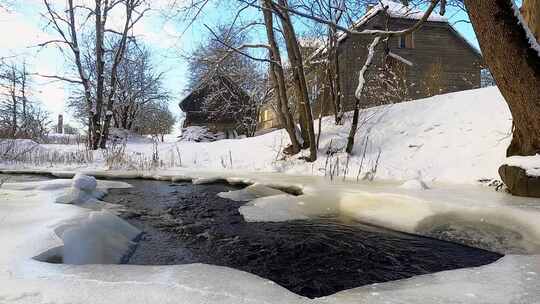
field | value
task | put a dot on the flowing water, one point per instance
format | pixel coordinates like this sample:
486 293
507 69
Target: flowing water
185 223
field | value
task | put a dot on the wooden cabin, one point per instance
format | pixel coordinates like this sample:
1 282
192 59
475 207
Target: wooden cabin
216 104
434 60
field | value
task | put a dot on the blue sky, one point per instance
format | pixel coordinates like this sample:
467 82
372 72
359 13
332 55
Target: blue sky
24 27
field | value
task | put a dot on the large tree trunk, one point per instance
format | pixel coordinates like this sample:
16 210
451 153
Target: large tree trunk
515 65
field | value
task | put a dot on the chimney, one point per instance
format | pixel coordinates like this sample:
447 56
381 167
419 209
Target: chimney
60 126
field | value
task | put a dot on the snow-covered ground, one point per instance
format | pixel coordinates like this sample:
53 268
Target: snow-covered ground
432 154
457 138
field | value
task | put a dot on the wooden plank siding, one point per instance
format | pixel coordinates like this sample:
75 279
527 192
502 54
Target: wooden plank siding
434 43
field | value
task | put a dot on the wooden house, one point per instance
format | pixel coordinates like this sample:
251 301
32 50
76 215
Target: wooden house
435 59
218 104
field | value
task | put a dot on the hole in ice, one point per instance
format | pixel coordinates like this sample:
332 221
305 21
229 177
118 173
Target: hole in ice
186 223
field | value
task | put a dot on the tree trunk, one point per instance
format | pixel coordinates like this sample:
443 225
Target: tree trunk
14 114
277 77
515 65
100 66
358 93
118 57
74 44
333 77
295 58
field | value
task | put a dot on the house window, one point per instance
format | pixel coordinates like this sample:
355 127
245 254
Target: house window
406 42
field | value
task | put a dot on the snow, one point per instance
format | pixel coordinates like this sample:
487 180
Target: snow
447 138
199 134
448 142
127 135
531 164
397 57
530 36
414 184
102 238
398 10
38 227
250 193
84 183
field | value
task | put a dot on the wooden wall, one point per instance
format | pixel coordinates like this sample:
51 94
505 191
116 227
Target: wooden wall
434 43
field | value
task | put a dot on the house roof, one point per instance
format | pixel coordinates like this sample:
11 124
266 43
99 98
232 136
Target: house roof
190 102
397 10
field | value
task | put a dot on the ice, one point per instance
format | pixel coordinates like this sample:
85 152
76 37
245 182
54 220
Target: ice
455 144
505 281
414 184
102 238
250 193
84 183
276 208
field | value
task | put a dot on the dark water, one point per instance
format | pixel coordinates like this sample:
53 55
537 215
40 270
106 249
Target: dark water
185 223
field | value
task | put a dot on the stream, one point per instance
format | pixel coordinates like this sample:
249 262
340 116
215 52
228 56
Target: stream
184 223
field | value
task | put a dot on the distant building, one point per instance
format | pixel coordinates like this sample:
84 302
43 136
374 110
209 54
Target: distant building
60 125
435 59
217 104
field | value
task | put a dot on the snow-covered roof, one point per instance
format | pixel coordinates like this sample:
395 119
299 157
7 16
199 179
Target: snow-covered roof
394 9
398 10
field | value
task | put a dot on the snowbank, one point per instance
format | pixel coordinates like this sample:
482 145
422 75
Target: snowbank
531 164
447 138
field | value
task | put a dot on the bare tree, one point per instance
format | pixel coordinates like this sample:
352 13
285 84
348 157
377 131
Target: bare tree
239 86
284 13
359 91
299 80
158 121
343 12
20 116
139 84
69 24
434 81
277 76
